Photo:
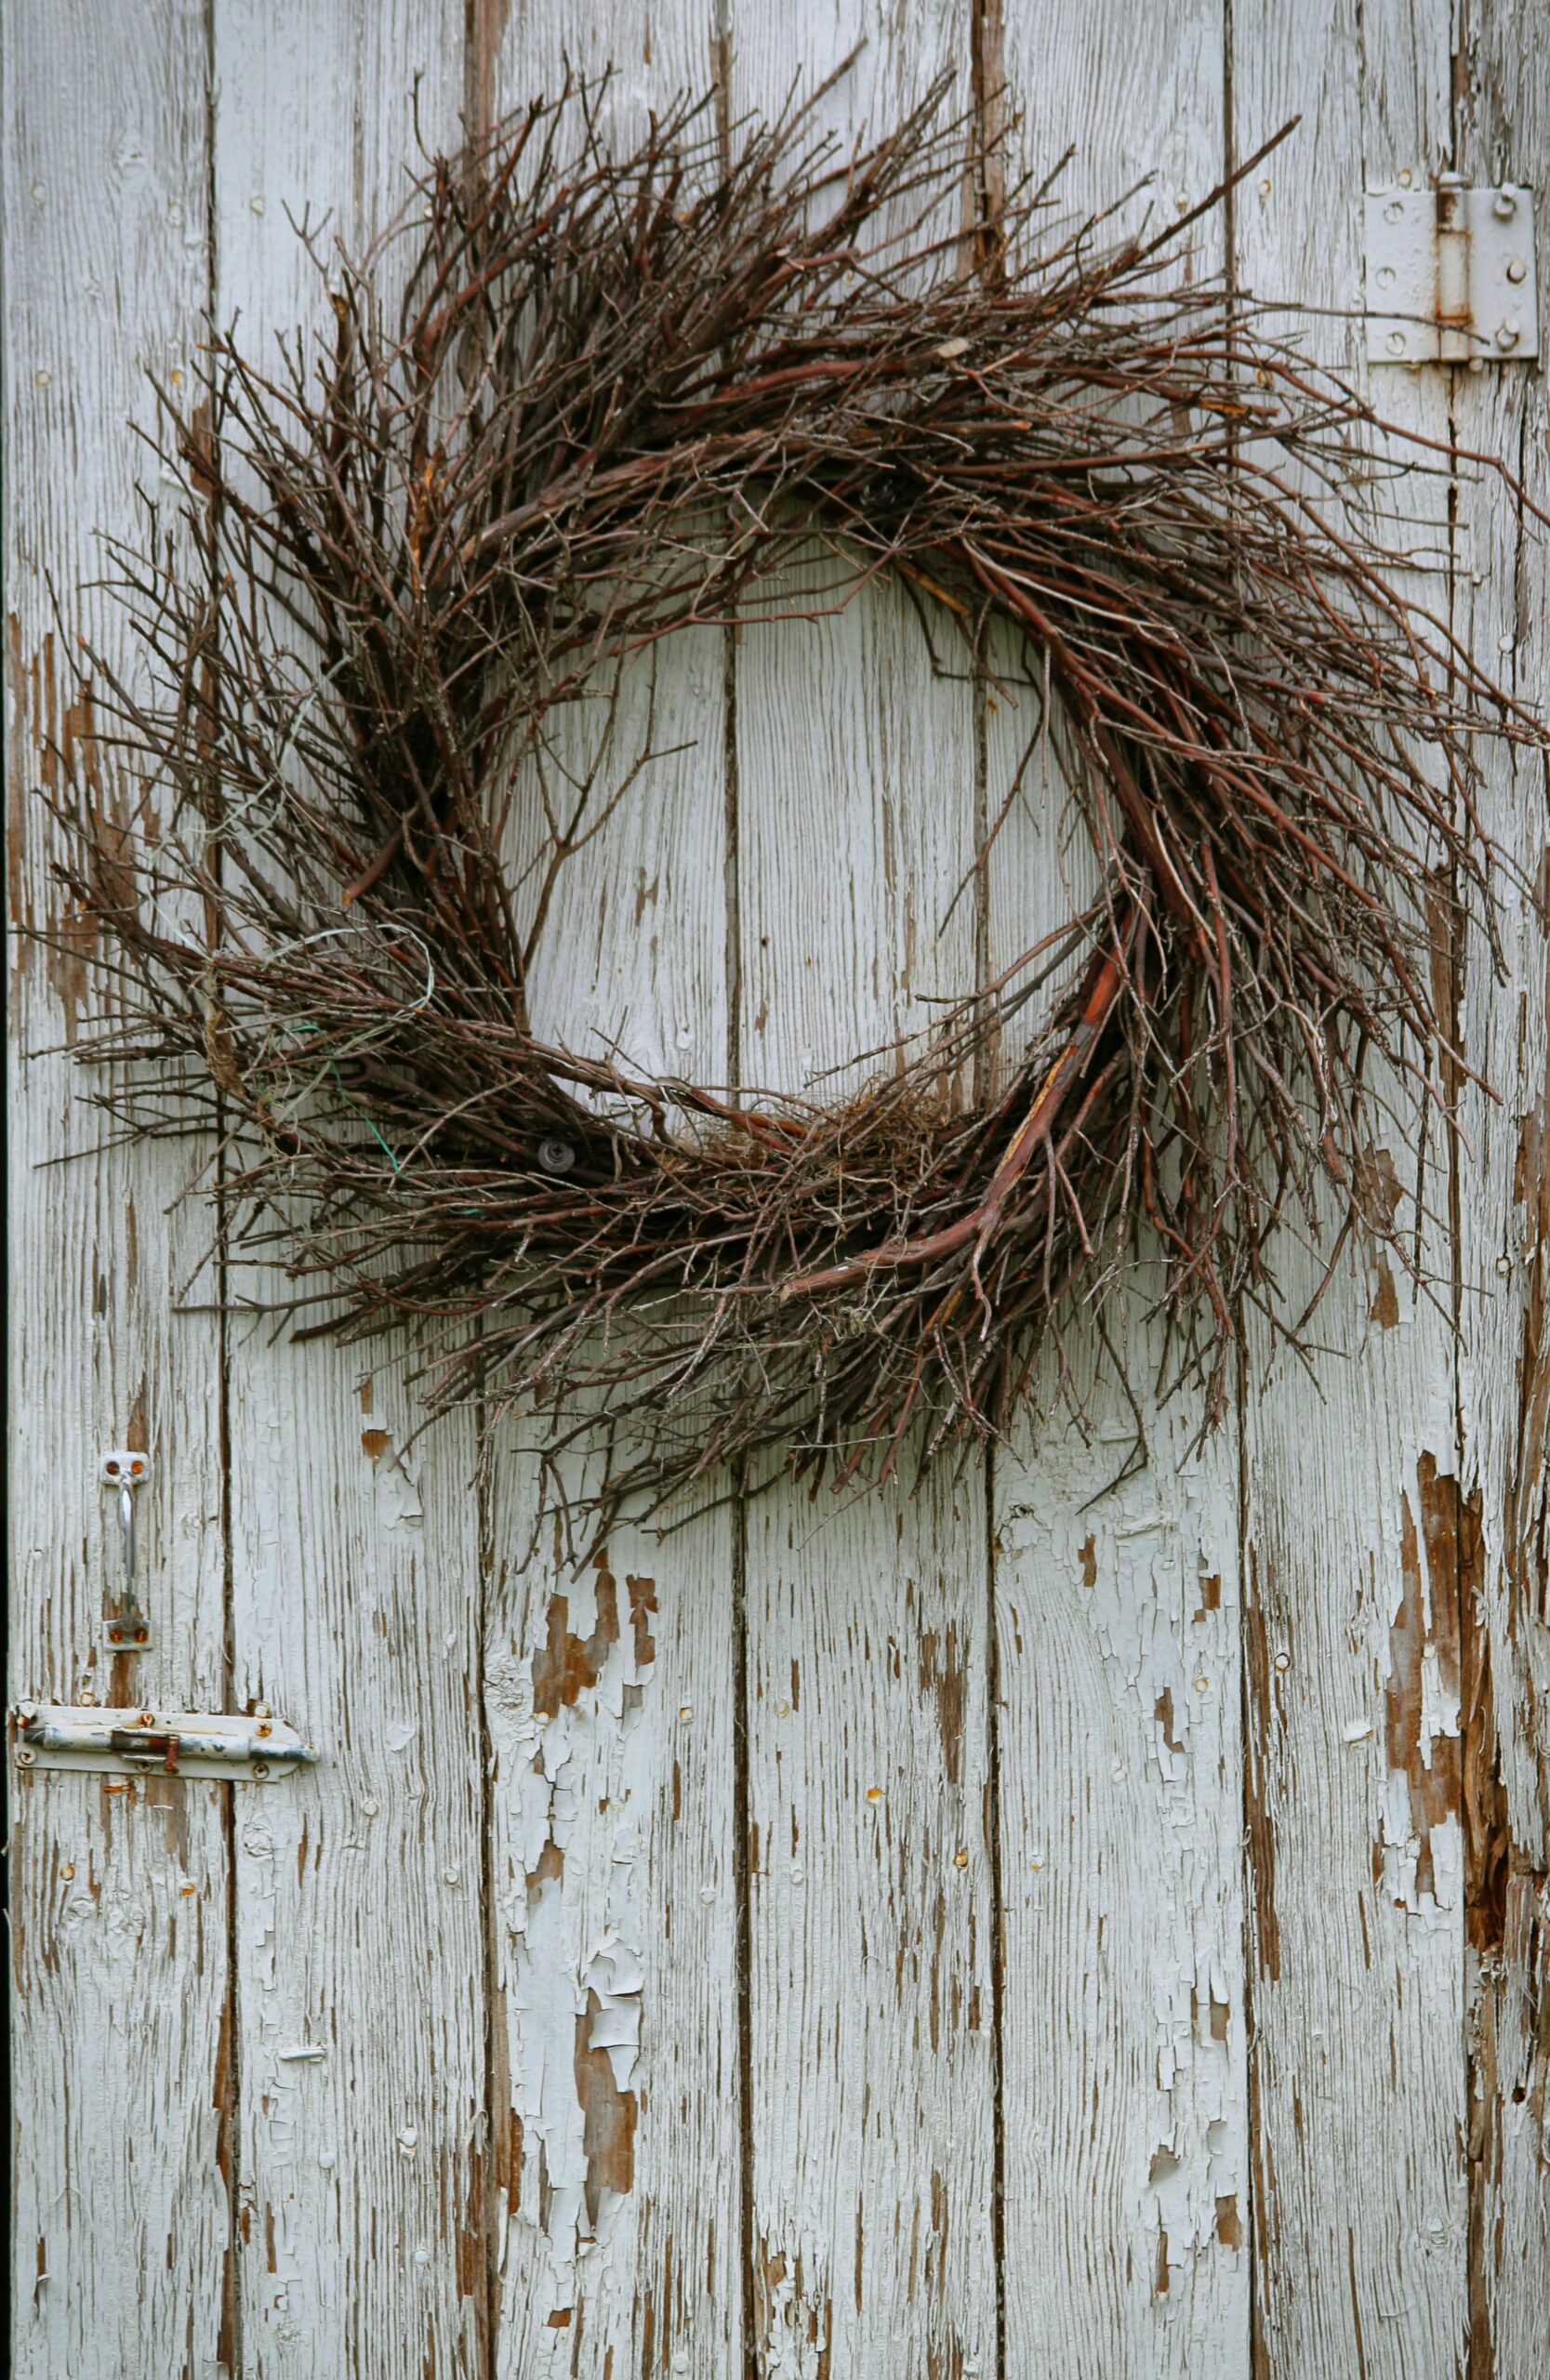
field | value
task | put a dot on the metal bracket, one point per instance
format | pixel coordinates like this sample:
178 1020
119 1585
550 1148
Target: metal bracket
1450 274
125 1469
168 1743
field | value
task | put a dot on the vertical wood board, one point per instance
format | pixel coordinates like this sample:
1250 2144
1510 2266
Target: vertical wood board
1502 593
871 2016
119 1888
609 1687
1352 1703
362 2172
1124 2102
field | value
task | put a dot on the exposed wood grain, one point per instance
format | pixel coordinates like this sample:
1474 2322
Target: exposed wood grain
118 1889
1352 1711
355 1562
1123 2031
1503 131
872 2005
609 1693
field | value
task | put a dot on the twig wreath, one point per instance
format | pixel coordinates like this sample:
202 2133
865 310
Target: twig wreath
621 394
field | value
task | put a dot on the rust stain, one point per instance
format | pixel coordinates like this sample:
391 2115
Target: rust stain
1262 1717
769 2274
223 2099
1426 1621
1356 2302
1265 2218
550 1867
505 2137
1488 1845
942 1674
1528 1515
166 1797
642 1603
50 747
983 245
1443 957
567 1665
485 29
608 2118
18 774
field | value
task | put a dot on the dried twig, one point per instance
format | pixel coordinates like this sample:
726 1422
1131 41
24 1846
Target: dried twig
616 397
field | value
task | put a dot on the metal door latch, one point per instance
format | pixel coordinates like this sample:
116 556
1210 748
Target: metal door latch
169 1743
1450 274
126 1471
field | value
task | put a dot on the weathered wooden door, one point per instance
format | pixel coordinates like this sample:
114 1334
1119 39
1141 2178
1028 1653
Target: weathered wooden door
1042 1926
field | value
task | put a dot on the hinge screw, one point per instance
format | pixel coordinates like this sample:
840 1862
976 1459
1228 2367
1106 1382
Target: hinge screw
1505 205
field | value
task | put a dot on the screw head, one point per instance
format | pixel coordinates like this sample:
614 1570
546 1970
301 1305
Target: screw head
1508 336
261 1768
24 1758
556 1157
1504 206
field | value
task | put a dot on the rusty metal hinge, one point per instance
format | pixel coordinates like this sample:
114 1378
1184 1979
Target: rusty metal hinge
172 1743
1450 274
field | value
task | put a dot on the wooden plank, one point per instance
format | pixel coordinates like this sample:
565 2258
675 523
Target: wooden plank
119 1892
872 1997
1352 1509
364 2173
1124 2062
1503 128
609 1692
